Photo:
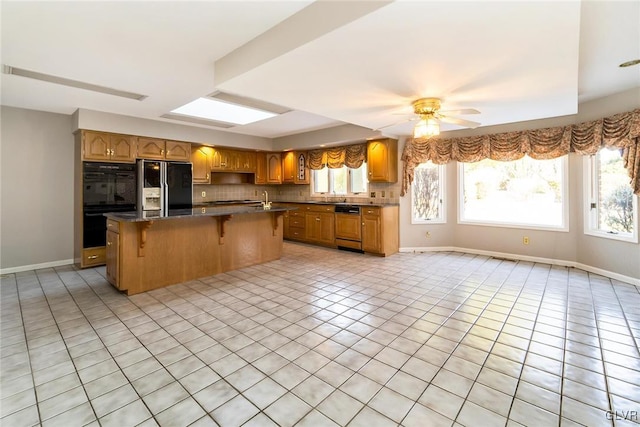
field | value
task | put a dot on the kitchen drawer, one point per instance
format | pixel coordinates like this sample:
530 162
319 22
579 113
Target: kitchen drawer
94 256
297 233
372 211
319 208
299 213
349 244
113 226
297 222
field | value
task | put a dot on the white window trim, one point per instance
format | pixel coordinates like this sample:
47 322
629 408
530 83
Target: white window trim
590 189
564 227
442 188
314 193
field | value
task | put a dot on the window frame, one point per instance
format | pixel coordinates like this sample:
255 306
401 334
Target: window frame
563 227
442 187
591 195
330 192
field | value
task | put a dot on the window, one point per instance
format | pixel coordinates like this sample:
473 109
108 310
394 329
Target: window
611 207
343 181
427 193
522 193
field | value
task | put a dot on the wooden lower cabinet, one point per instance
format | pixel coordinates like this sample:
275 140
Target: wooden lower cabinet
113 258
380 234
374 231
296 226
320 228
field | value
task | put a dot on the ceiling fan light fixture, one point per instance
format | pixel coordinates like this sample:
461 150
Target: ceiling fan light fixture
426 128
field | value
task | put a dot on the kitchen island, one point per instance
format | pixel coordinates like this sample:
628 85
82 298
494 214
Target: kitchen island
148 251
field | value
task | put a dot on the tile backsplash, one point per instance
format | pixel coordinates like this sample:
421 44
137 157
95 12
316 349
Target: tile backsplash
384 193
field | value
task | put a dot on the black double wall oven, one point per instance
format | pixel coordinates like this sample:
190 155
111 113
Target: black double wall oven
107 187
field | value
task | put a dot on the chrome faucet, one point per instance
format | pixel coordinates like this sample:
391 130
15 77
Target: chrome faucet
266 204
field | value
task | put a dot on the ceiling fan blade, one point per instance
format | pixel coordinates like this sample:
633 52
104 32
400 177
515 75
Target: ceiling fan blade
397 123
458 112
461 122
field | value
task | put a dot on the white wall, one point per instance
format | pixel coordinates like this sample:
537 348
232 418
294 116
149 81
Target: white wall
621 258
36 185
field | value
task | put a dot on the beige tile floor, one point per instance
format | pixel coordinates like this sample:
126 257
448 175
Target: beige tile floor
325 338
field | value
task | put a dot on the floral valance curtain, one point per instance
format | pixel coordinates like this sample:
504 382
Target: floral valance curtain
620 131
350 156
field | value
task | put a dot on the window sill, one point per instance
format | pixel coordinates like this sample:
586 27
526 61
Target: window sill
612 236
562 229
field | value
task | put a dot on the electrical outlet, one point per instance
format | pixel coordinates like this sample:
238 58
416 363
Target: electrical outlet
383 192
204 194
373 194
525 240
428 235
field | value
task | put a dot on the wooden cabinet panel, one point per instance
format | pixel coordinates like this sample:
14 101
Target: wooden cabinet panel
348 227
151 148
261 168
247 161
274 169
175 150
294 168
380 233
95 146
320 227
113 258
101 146
123 148
288 167
371 241
159 149
201 160
382 160
93 256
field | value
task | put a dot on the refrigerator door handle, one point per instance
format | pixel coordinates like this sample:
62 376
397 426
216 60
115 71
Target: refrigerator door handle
165 188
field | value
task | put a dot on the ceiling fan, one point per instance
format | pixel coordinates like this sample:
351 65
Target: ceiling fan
429 117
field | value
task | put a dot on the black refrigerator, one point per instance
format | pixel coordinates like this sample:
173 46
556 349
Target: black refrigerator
164 186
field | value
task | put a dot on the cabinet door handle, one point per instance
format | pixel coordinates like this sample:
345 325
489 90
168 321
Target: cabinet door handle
363 223
92 257
317 219
108 243
369 212
162 152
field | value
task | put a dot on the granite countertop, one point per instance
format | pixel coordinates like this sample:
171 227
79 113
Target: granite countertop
319 202
201 211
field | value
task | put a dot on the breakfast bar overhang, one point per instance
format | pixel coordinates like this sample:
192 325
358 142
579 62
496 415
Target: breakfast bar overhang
147 251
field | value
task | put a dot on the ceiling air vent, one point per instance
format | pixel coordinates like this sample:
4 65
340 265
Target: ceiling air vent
6 69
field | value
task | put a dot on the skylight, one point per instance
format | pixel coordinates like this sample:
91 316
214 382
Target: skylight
212 109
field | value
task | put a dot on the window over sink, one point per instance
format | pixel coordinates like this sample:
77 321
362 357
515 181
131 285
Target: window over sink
342 181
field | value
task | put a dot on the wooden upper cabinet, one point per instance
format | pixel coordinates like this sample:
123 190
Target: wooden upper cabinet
288 167
201 158
159 149
175 150
294 168
382 160
261 168
274 168
151 148
247 161
102 146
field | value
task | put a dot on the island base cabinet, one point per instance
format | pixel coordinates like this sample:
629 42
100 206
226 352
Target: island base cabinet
154 254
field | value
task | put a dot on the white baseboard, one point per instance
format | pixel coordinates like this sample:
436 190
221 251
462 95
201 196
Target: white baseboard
561 262
35 266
